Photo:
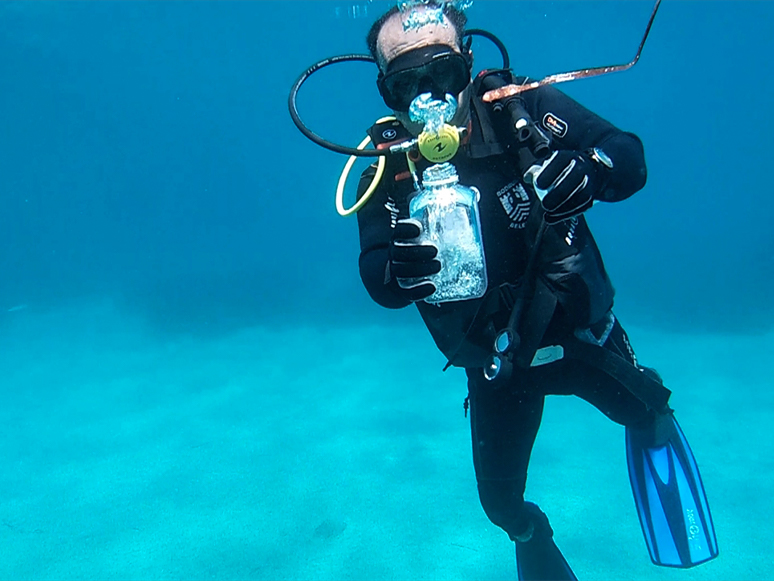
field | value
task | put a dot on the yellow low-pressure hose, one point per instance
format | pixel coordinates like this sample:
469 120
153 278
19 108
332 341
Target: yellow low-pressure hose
345 175
343 180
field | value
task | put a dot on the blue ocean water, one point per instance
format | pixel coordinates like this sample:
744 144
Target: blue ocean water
180 307
147 153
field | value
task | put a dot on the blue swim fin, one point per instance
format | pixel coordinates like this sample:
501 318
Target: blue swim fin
669 495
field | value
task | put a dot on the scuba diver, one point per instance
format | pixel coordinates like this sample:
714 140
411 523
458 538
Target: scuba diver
539 320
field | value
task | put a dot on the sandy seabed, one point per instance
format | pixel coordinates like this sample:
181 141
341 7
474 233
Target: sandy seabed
335 453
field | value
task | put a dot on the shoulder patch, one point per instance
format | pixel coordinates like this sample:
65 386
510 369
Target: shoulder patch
555 125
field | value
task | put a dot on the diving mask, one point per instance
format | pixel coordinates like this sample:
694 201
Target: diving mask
437 69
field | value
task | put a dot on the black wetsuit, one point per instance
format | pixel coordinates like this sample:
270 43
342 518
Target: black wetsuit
505 420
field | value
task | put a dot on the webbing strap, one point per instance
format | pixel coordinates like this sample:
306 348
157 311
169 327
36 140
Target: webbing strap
649 391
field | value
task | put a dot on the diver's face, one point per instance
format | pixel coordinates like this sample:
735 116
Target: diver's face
393 41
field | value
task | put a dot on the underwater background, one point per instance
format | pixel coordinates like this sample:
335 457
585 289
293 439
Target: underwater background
194 382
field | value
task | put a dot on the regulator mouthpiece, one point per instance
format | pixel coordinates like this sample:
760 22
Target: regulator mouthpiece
432 113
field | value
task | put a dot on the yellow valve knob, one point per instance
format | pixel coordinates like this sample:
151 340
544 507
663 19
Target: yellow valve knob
441 146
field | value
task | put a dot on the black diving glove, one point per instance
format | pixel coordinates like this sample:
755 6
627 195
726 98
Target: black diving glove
411 260
566 183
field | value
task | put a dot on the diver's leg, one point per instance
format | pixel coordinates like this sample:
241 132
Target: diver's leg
604 392
667 487
504 425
